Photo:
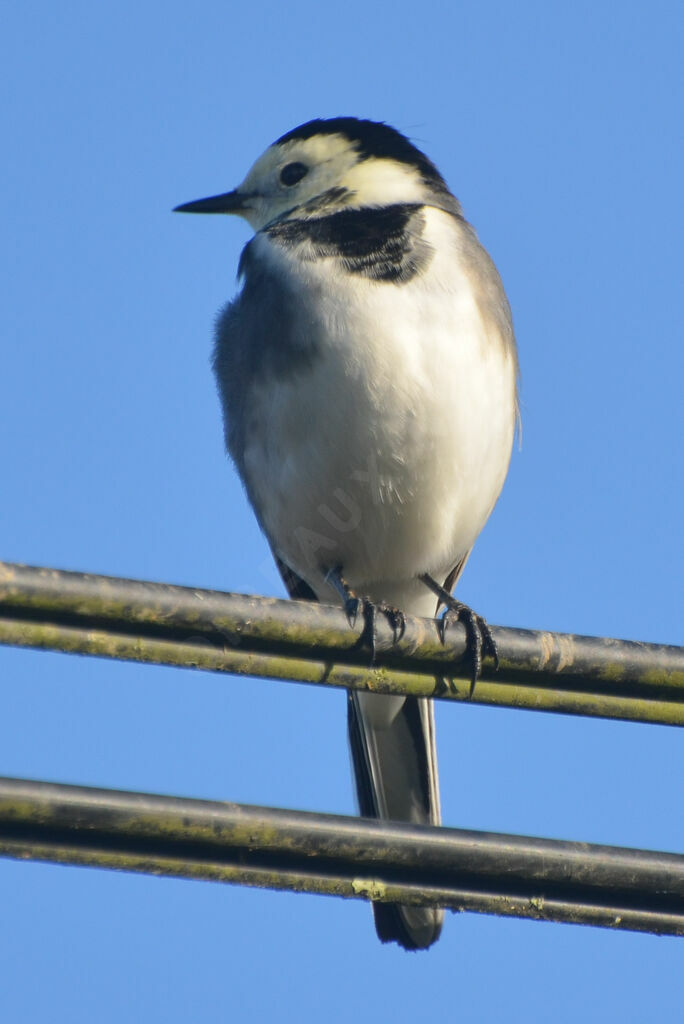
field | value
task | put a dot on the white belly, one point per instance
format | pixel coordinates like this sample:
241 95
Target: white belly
386 456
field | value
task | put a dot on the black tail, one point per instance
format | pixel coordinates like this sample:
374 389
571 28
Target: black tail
394 756
393 750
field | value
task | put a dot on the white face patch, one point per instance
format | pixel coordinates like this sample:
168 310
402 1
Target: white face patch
332 163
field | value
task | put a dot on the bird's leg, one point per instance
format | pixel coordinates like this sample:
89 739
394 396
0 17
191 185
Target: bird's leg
479 639
349 599
370 610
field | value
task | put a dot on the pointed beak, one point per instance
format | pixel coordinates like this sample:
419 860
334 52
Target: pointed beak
227 202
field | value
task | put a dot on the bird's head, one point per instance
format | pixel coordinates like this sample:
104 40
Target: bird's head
328 165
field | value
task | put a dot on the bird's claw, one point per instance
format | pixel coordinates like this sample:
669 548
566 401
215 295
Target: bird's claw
396 619
353 604
351 607
479 639
394 616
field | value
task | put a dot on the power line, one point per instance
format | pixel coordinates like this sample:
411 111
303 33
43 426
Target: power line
312 643
518 876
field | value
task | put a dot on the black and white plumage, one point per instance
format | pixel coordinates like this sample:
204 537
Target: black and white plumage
367 371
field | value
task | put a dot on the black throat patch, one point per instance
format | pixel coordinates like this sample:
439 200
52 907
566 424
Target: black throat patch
384 244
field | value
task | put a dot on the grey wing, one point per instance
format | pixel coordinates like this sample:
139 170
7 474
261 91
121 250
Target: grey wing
491 299
260 336
488 288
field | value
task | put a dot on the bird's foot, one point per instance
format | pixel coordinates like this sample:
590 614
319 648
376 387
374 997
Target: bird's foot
369 609
479 640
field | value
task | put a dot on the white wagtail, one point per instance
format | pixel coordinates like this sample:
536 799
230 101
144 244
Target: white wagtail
367 371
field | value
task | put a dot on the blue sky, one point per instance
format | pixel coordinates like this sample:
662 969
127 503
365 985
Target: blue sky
559 128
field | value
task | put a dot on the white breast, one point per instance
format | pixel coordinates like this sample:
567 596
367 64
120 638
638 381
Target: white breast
387 455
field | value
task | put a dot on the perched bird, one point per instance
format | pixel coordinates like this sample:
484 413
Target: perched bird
367 371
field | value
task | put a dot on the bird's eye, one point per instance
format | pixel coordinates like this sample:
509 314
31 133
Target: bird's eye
292 173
